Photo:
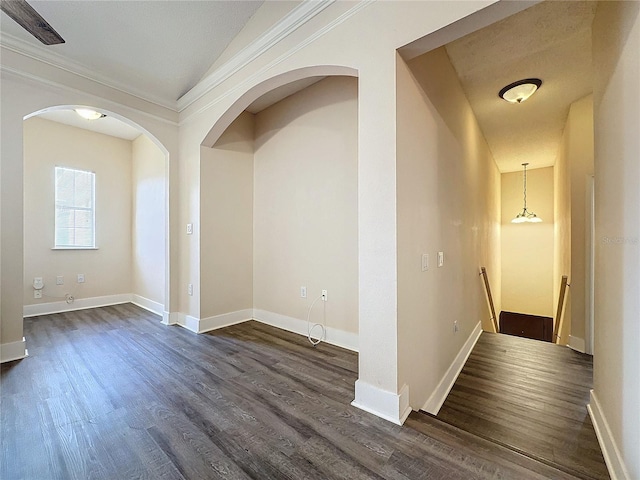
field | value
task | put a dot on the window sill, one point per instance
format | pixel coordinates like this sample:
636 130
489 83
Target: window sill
74 248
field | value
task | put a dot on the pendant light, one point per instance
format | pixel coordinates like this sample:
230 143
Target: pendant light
525 215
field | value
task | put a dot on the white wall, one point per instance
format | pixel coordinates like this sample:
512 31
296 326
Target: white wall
226 232
527 248
148 222
305 204
107 270
616 43
448 200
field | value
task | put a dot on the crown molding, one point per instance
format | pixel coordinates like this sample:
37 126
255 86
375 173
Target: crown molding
45 81
252 78
56 60
288 24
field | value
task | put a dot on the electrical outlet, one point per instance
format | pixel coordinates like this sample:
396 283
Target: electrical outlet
81 278
324 295
59 280
37 294
38 284
303 292
190 289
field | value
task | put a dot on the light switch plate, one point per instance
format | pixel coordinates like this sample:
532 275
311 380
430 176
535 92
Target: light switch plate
425 262
440 259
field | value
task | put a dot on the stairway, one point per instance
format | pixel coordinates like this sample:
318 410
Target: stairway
525 397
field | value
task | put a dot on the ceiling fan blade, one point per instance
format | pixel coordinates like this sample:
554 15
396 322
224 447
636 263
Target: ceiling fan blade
25 16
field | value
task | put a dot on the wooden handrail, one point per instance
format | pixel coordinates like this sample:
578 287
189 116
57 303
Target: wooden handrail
494 320
558 323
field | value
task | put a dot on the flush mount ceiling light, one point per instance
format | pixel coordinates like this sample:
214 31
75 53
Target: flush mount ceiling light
518 92
89 114
525 215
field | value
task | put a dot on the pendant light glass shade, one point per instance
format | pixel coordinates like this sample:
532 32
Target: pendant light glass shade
525 215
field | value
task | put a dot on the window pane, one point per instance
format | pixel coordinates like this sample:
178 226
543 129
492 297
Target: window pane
75 211
84 189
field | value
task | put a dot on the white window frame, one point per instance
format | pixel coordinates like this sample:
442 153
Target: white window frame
92 209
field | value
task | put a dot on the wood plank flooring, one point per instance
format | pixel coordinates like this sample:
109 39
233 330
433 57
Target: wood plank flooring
530 396
110 393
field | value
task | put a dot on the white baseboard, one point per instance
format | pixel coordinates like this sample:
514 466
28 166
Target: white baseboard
203 325
577 344
439 395
13 351
78 304
610 452
150 305
390 406
170 318
336 337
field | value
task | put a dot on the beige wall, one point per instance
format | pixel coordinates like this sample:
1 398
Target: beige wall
616 99
226 221
574 165
107 270
148 222
305 203
527 248
448 200
562 229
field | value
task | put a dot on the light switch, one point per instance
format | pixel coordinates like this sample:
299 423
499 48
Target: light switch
425 262
440 259
189 228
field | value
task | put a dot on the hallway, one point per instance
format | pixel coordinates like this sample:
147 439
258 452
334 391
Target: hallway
531 397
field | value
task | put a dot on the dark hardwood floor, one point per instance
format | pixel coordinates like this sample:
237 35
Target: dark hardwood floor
530 396
110 393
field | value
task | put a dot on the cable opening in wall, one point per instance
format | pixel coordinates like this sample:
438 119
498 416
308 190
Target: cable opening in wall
310 327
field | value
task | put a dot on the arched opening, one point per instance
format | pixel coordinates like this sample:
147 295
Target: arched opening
279 213
96 216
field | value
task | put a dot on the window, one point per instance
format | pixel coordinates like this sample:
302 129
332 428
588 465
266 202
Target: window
75 208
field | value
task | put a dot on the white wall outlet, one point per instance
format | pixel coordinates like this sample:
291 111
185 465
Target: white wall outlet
324 295
440 259
81 278
189 228
190 289
425 262
38 284
37 294
303 292
59 280
455 327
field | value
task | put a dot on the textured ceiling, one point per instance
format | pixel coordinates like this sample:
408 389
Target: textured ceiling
550 41
156 49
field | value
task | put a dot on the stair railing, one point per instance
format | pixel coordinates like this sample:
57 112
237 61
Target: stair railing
558 323
494 320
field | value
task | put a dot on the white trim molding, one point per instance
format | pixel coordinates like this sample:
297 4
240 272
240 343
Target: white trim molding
577 344
336 337
610 452
13 351
202 325
170 318
390 406
288 24
150 305
439 395
78 304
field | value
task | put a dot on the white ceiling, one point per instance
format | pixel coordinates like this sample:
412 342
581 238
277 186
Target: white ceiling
107 125
157 50
550 41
